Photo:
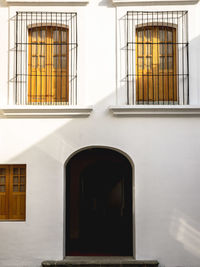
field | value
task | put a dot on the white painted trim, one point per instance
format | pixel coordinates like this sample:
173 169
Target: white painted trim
129 2
133 110
32 111
49 1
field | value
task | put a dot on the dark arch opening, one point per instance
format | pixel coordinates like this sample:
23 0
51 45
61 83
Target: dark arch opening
99 204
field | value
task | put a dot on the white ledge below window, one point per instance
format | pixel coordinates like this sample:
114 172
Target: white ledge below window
129 2
135 110
49 1
33 111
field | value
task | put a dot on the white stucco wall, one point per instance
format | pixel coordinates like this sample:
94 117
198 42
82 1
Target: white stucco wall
165 150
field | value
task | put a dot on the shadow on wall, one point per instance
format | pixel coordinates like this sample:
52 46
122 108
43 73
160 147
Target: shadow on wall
51 151
194 67
131 135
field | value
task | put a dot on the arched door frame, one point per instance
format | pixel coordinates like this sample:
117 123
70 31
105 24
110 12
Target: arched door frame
133 190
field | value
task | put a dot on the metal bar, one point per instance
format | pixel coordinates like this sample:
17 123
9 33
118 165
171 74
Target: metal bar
16 44
71 49
188 95
167 30
158 67
143 32
40 58
183 69
51 94
76 55
127 60
152 47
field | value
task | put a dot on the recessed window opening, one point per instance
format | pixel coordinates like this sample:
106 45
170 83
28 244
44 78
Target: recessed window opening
45 58
99 204
157 57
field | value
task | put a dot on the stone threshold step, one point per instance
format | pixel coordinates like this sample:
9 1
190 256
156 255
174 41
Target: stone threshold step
100 261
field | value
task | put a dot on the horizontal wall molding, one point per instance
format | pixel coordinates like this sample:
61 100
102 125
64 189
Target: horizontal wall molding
32 111
49 1
133 110
135 2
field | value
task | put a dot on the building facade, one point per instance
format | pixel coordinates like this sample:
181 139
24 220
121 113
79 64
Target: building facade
99 89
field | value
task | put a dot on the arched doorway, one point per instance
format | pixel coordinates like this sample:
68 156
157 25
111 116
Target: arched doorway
99 219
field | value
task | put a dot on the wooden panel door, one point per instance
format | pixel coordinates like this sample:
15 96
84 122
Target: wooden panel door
156 64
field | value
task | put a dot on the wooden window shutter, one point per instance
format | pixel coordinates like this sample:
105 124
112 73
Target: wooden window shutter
4 190
12 192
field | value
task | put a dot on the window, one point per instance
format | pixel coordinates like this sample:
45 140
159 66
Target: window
156 57
12 192
46 58
156 74
48 65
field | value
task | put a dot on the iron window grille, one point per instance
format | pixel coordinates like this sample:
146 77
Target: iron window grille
157 64
45 64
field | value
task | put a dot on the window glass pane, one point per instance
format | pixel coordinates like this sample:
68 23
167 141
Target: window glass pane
43 50
55 62
2 171
162 49
161 35
34 62
148 49
169 36
64 62
34 49
34 36
22 171
15 179
162 63
149 63
148 35
43 35
2 180
140 63
15 188
64 36
2 188
42 62
170 62
22 180
22 188
55 50
15 171
64 49
56 36
169 49
140 49
140 36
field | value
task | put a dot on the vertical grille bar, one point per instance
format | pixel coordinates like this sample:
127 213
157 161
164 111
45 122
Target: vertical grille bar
16 45
127 59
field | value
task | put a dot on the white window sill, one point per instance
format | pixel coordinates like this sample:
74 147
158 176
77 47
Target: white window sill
133 110
56 111
129 2
49 1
